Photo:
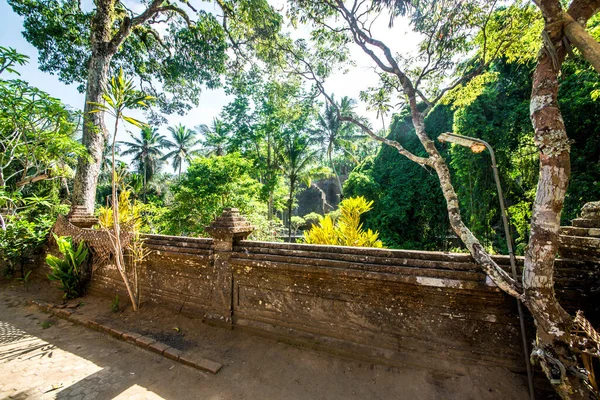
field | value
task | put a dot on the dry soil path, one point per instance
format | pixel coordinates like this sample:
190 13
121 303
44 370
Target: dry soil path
64 361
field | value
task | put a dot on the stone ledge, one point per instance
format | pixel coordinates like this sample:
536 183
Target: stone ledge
144 342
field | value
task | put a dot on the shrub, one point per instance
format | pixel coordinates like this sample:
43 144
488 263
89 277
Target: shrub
67 270
20 241
346 230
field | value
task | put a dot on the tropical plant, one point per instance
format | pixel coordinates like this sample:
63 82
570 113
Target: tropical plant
297 159
182 146
296 222
346 230
114 305
216 138
129 212
68 270
147 153
336 135
119 96
448 47
209 185
26 280
175 49
19 240
36 131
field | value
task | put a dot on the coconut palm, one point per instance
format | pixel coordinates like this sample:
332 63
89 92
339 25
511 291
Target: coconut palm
216 138
146 150
182 145
297 160
334 134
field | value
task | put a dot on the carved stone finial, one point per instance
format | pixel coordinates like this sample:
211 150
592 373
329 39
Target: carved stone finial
81 217
591 211
230 226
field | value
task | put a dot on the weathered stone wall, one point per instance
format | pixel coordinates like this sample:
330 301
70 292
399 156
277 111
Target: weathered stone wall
404 307
178 273
428 309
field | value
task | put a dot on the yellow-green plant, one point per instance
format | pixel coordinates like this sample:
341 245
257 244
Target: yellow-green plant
118 96
347 229
129 213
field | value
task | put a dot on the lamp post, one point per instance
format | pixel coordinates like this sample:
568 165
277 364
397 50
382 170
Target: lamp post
477 146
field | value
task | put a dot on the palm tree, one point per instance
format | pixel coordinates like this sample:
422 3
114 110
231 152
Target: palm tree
147 153
106 163
334 134
216 138
297 161
184 140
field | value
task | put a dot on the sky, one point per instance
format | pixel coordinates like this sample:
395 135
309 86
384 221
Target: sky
357 78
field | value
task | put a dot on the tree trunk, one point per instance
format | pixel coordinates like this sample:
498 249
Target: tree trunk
337 177
94 133
290 205
552 321
144 181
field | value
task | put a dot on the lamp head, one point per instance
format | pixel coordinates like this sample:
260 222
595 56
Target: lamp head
465 141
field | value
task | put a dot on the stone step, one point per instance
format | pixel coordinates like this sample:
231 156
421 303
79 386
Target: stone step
577 231
586 223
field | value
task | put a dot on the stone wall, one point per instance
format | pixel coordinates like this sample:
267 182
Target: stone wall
178 274
428 309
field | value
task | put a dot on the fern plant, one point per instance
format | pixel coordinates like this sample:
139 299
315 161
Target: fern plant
67 270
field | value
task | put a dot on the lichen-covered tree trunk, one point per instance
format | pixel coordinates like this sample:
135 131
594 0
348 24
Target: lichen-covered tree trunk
552 321
94 133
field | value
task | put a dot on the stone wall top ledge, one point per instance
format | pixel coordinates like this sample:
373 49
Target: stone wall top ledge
207 241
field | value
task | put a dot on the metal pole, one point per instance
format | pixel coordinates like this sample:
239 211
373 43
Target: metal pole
513 261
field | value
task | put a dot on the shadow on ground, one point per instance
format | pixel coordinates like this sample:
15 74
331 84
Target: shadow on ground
44 357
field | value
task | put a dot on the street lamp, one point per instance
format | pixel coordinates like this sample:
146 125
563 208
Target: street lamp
477 146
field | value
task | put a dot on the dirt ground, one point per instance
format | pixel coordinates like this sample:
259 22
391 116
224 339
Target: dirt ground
254 367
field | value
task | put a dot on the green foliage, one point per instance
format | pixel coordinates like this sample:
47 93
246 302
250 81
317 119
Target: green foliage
36 130
20 241
209 185
216 138
295 223
146 151
409 209
114 305
68 270
312 218
175 58
341 142
119 95
580 113
9 58
347 229
500 116
182 146
25 280
264 229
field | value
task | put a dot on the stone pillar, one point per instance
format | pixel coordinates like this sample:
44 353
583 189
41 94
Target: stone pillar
81 217
582 240
226 230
